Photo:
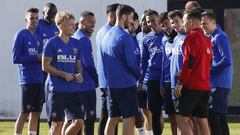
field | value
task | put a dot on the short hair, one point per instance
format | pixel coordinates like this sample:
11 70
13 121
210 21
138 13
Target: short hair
152 12
209 15
50 5
85 14
193 4
32 10
194 14
175 13
62 16
163 16
112 8
124 10
135 16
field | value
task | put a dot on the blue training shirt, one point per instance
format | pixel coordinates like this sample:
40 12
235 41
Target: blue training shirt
46 30
137 51
176 61
26 47
64 57
222 67
88 68
119 60
152 57
99 37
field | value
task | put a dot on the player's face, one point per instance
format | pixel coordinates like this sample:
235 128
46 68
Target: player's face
144 27
31 20
207 24
49 14
166 26
89 24
68 27
187 23
133 26
153 22
177 23
129 20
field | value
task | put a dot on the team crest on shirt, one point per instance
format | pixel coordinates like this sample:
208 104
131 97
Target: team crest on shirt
75 50
44 35
29 43
208 51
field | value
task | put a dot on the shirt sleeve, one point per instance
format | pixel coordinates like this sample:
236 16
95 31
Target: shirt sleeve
144 60
19 55
224 48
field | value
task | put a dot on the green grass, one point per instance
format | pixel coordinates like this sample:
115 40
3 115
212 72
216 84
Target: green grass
7 128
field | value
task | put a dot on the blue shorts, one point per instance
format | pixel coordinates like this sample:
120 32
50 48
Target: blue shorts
155 99
89 103
122 102
218 100
31 98
70 102
168 102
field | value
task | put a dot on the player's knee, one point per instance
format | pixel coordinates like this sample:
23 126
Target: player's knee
92 113
78 123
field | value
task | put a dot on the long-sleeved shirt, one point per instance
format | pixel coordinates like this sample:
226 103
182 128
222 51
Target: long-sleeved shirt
152 57
119 60
26 47
99 38
89 71
222 68
195 74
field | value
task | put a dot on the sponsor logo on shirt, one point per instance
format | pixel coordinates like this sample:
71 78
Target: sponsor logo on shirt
32 51
75 50
155 50
66 59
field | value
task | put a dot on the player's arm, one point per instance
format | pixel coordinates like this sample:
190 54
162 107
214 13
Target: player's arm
18 55
144 60
224 49
47 67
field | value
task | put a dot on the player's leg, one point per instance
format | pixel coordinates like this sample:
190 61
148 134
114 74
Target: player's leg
104 113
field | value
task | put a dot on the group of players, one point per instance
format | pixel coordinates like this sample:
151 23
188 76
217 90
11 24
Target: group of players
181 62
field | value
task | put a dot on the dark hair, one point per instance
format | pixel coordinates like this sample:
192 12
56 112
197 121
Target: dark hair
175 13
163 16
32 10
210 15
135 16
112 8
50 5
194 14
124 9
86 13
152 12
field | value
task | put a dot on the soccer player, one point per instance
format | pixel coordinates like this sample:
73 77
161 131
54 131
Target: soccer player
111 19
86 27
120 67
169 35
134 29
151 66
61 60
47 29
142 91
27 54
221 74
194 79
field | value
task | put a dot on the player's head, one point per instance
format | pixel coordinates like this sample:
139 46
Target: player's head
49 12
191 20
208 22
191 5
176 19
165 23
111 13
65 22
143 23
31 18
87 22
153 20
124 13
133 27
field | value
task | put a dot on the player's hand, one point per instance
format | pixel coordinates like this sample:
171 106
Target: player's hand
178 73
39 57
79 78
139 86
68 77
162 92
177 90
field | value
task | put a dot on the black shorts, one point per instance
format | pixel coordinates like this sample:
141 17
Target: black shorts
31 98
193 103
89 103
168 101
